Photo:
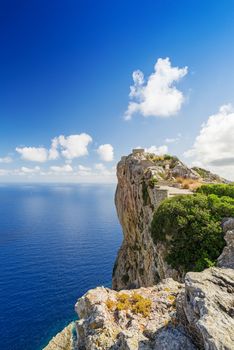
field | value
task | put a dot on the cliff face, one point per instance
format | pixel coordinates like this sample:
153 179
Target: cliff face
140 262
198 314
159 313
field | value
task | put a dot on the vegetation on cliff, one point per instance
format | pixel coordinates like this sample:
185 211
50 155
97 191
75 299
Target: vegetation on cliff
190 226
135 303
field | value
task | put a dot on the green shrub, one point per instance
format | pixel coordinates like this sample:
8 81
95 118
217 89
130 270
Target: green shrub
218 189
191 228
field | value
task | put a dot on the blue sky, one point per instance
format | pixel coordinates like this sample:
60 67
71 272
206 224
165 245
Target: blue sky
66 69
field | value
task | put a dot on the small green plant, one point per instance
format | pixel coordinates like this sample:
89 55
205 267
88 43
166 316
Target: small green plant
153 181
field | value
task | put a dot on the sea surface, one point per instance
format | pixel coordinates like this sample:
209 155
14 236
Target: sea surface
56 242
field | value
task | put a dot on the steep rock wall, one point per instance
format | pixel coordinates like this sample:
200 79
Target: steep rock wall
140 262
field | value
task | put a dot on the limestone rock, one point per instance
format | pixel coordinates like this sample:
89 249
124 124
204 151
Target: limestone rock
103 327
140 262
63 340
207 308
226 259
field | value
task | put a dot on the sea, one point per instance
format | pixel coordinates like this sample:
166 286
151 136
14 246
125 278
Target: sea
56 242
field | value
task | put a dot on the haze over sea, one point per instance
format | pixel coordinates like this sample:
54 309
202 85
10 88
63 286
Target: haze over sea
57 241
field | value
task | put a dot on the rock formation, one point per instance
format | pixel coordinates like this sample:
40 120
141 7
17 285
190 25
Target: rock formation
63 340
196 315
208 308
138 194
162 313
106 324
226 259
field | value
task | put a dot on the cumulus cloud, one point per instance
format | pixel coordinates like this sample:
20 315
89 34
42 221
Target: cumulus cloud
70 147
157 150
34 154
6 160
106 152
67 168
214 146
157 96
73 146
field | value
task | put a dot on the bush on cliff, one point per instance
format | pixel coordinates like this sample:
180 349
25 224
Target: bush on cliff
218 189
190 226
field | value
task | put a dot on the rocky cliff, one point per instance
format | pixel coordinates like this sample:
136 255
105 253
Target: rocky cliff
196 315
149 309
144 180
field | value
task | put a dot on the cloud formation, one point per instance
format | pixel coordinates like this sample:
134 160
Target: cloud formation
33 154
106 152
69 147
157 150
72 146
6 160
214 146
26 170
67 168
156 96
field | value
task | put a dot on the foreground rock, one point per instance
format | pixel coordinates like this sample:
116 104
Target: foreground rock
63 340
226 259
144 318
206 308
197 315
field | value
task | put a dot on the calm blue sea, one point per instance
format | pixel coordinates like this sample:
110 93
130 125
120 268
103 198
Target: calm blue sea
56 242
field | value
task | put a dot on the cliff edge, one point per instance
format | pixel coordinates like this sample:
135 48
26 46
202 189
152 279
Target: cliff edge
144 181
152 306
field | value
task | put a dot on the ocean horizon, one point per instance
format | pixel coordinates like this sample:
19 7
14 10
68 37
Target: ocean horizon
57 241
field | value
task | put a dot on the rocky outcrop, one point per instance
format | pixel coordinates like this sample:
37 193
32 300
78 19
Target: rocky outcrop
152 311
140 262
63 340
206 308
208 176
226 259
196 315
110 320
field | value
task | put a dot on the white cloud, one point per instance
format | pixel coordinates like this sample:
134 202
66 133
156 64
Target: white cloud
67 168
157 96
173 139
100 167
84 171
34 154
157 150
27 170
106 152
103 171
72 146
6 160
214 146
4 172
53 152
83 168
